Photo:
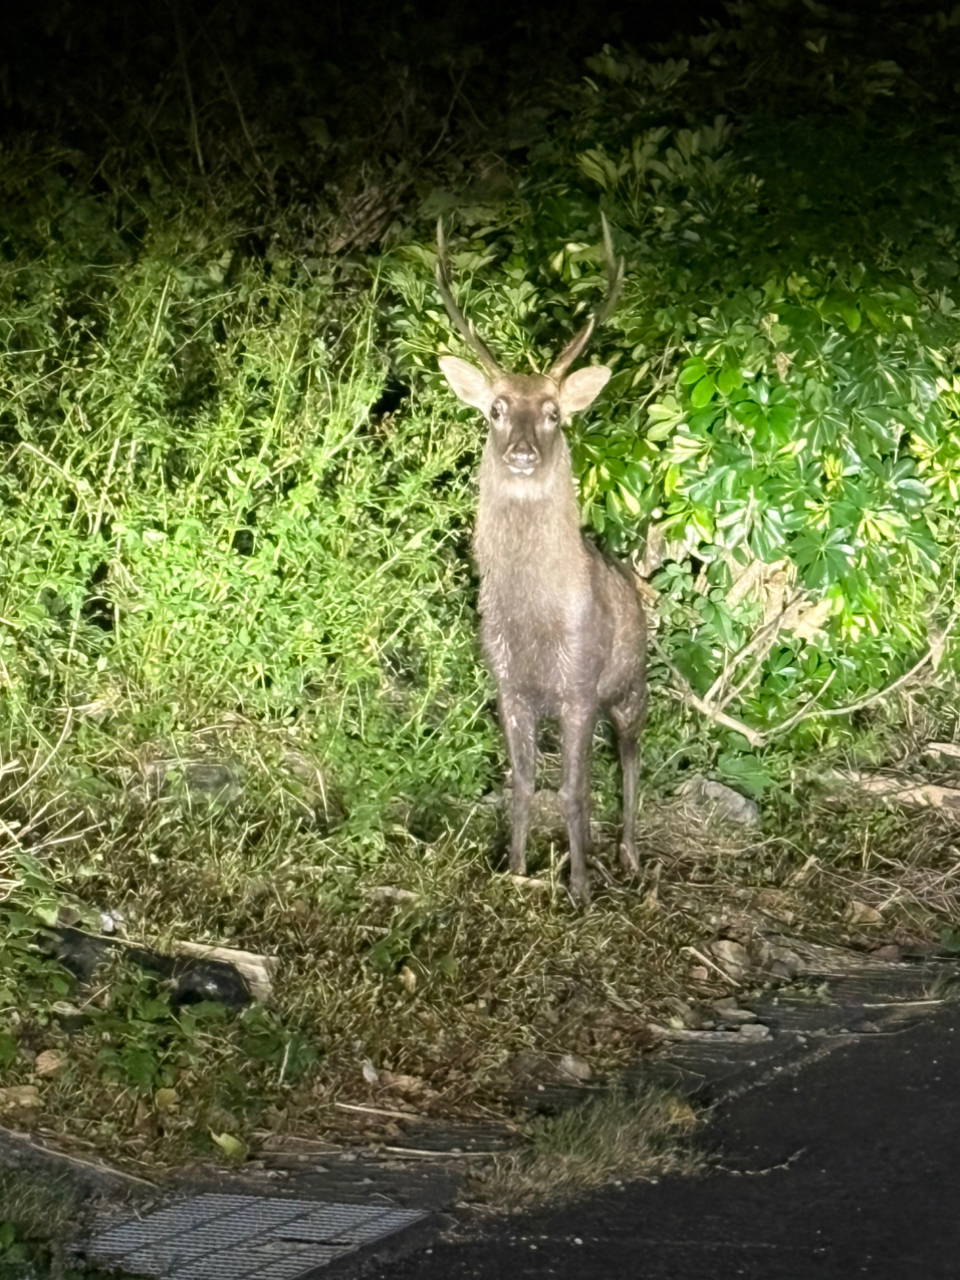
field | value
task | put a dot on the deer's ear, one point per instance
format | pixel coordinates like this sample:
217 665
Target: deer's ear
468 383
581 388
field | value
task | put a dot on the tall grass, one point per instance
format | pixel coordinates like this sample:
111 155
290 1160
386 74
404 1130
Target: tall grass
204 518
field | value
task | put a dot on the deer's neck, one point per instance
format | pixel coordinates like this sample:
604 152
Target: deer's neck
528 542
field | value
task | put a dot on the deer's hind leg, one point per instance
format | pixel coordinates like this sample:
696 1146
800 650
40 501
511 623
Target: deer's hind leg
628 717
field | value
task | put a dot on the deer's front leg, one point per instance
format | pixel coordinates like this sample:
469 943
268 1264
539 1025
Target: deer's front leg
520 729
576 724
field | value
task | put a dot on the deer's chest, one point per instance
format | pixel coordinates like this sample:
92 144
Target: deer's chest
536 648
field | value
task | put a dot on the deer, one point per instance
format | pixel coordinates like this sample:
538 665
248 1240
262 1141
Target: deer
562 626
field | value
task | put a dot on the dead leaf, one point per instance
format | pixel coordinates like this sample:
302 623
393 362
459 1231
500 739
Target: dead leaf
229 1144
861 913
410 1086
48 1062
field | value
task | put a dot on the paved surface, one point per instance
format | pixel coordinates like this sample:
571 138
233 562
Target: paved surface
835 1154
848 1168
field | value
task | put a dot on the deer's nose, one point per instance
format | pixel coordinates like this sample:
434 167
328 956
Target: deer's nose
522 456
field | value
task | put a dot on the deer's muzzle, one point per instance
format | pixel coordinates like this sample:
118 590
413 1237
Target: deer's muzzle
522 458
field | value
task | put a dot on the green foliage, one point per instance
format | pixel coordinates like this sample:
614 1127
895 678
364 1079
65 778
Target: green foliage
201 514
784 391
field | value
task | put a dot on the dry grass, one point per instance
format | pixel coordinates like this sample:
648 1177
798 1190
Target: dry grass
616 1136
413 976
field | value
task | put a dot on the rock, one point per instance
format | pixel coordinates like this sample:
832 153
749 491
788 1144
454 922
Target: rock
945 754
734 1017
754 1031
890 952
914 795
48 1062
575 1067
731 956
713 799
17 1097
387 893
779 961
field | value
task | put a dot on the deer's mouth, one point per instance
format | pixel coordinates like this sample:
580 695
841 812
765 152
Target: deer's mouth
518 470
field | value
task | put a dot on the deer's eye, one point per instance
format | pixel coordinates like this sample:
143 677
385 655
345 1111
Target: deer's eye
551 414
497 411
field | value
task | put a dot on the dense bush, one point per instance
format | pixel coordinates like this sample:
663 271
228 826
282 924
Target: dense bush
208 509
778 445
204 512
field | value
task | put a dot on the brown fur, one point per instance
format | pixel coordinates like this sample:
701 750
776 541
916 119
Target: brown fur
562 627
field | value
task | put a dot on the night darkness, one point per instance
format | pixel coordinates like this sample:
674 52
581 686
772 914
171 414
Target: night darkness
381 77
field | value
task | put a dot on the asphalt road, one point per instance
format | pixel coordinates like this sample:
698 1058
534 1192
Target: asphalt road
849 1168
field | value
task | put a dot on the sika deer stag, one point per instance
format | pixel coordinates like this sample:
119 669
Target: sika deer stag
562 627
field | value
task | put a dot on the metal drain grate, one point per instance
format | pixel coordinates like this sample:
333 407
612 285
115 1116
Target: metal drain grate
231 1237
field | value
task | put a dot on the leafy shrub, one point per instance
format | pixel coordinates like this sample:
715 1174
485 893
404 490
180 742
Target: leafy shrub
778 445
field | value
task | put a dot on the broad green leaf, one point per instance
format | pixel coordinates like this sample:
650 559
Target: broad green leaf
702 393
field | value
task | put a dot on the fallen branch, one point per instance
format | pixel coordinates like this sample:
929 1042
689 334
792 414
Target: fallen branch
759 738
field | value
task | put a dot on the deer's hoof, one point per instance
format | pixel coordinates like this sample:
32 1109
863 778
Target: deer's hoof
580 891
629 860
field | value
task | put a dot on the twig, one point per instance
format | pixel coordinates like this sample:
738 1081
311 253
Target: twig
891 688
759 738
194 126
762 640
811 709
271 189
53 751
441 1155
686 694
698 955
377 1111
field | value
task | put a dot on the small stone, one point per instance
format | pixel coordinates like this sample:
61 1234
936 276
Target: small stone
408 978
19 1096
731 955
889 952
714 799
779 961
389 893
754 1031
737 1017
575 1067
861 913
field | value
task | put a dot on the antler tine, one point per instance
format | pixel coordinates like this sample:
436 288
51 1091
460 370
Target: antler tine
614 284
464 326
